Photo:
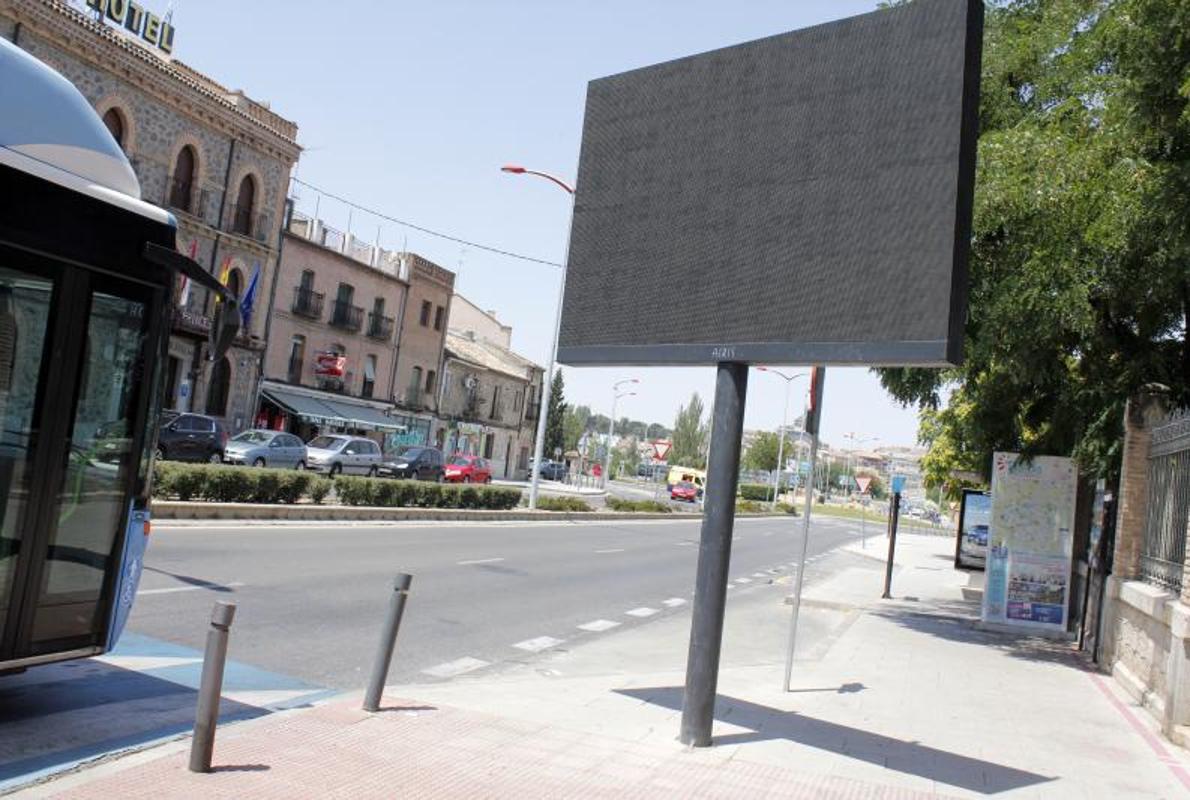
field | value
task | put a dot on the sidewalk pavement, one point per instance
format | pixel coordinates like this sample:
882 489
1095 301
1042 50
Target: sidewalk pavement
891 699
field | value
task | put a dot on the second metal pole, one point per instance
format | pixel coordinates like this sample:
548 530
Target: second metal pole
892 544
714 555
202 746
388 640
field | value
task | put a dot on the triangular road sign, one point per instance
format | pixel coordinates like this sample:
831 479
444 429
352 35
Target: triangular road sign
863 483
661 448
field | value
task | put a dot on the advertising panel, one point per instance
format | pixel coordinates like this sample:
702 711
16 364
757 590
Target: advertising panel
975 521
1030 542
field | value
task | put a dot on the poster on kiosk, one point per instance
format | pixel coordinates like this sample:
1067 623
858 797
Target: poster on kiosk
1031 541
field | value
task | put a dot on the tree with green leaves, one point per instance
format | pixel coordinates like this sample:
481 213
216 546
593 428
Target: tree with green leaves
576 422
1079 288
555 417
762 453
690 435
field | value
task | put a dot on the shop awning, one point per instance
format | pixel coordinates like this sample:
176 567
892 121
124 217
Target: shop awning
331 410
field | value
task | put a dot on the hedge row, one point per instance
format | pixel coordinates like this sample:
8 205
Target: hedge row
223 484
400 494
562 504
650 506
755 491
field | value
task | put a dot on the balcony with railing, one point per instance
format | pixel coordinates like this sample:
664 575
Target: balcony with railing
246 222
346 316
187 196
307 302
379 326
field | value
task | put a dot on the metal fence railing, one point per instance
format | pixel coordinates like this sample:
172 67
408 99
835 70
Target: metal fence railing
1163 549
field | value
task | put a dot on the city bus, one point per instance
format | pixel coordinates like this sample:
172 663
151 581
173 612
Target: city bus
88 277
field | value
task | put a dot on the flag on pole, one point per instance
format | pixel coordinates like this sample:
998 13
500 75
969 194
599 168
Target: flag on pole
250 297
224 274
184 294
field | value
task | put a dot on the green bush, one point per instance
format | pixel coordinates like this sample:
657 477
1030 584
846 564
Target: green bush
407 494
562 504
226 484
749 507
319 488
787 508
755 491
646 506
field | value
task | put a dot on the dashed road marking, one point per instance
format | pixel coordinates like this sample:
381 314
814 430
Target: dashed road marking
611 550
674 602
456 667
684 544
758 575
538 644
479 561
643 611
599 625
743 580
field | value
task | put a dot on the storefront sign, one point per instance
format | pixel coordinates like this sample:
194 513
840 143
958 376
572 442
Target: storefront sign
330 365
140 23
1031 540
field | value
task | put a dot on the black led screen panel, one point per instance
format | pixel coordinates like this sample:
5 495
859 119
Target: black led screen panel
800 199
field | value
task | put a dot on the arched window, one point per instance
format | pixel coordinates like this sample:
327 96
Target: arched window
181 187
218 389
114 121
245 202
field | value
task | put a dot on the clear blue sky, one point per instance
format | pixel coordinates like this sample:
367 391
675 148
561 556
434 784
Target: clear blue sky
411 108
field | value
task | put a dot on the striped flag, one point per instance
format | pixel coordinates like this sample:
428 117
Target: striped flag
224 274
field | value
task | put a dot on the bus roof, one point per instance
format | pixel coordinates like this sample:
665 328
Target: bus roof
48 129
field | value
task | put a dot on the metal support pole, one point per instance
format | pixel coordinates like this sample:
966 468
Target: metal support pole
892 545
206 717
548 379
813 414
714 555
781 442
388 640
611 430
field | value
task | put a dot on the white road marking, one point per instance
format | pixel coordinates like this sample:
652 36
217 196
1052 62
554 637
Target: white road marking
265 698
643 611
758 575
674 602
599 625
612 550
479 561
743 580
684 544
538 644
456 667
141 663
172 589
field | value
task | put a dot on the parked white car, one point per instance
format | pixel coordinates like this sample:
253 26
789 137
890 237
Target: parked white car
343 455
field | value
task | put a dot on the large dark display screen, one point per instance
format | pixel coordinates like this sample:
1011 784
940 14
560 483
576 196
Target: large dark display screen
801 199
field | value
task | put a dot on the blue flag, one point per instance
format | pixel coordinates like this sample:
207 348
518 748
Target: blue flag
249 299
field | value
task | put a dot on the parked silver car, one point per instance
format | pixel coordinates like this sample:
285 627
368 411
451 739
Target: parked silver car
346 455
265 448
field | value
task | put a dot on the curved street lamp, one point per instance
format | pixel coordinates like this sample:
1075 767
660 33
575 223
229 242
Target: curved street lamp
547 386
611 425
784 422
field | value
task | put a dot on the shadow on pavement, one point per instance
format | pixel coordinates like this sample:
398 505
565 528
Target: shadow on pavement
957 621
192 581
911 758
59 714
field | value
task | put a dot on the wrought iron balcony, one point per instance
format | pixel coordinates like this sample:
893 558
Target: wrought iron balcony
346 316
307 302
379 326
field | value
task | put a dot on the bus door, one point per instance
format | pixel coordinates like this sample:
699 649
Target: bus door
69 455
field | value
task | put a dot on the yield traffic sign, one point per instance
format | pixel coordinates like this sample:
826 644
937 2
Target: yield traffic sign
863 483
661 448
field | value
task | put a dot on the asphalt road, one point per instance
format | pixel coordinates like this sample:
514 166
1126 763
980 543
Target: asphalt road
311 599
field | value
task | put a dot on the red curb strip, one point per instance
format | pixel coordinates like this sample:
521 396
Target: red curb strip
1163 755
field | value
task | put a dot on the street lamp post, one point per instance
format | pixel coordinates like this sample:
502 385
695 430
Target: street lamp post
539 442
611 426
852 476
784 421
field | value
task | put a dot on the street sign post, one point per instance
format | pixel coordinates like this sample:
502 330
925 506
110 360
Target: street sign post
661 449
863 482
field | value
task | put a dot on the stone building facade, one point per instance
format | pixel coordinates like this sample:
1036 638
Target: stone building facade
219 161
339 336
486 404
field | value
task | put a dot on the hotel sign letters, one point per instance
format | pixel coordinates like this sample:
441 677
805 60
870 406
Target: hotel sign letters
143 24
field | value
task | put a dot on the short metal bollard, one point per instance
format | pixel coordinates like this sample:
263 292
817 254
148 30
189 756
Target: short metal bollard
388 640
202 747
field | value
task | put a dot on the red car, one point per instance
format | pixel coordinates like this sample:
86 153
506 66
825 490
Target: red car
684 491
467 469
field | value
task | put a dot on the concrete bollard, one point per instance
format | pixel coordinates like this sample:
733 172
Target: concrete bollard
388 640
202 746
